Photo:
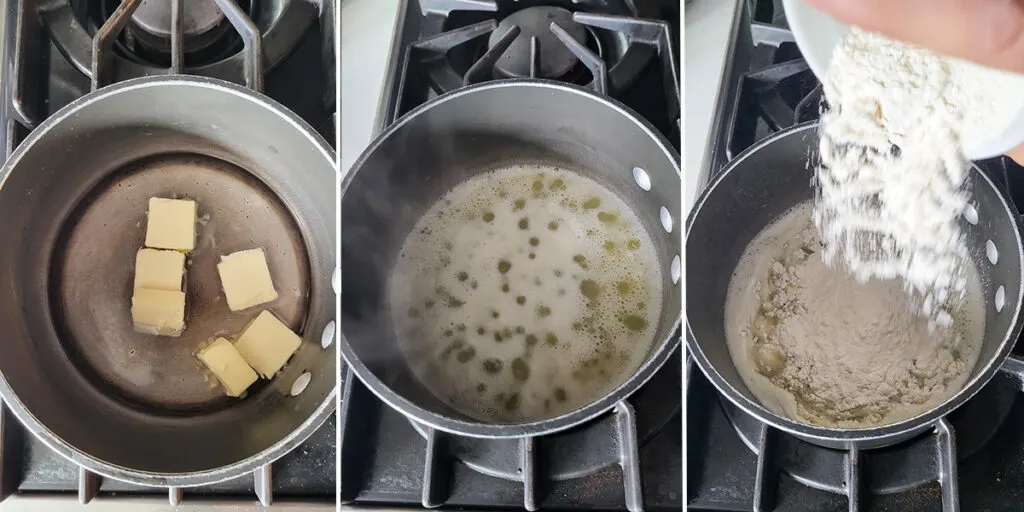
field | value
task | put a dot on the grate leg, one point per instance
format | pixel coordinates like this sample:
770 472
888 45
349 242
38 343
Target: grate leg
766 484
629 456
945 441
435 470
852 470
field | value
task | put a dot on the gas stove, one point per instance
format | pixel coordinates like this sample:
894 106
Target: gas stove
55 51
971 460
630 458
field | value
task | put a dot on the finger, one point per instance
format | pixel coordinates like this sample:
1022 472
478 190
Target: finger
988 32
1017 154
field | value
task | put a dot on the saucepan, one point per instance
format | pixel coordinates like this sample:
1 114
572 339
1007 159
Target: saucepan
751 193
73 198
473 130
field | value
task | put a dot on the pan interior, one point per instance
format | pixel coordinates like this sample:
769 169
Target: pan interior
93 269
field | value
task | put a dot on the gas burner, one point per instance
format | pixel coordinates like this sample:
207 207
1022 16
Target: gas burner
212 42
203 23
536 51
614 42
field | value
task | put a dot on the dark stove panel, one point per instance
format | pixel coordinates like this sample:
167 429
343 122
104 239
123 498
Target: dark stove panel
970 461
630 458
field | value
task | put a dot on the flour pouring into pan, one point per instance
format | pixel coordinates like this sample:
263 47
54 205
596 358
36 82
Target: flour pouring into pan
815 345
863 307
892 177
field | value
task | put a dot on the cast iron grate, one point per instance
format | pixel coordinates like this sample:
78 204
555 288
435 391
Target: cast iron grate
386 458
461 42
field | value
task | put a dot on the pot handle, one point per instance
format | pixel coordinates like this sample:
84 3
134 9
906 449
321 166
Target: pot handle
103 41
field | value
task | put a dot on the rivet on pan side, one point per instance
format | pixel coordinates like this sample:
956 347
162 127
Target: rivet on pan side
971 214
643 180
1000 298
300 383
327 337
992 252
676 269
666 219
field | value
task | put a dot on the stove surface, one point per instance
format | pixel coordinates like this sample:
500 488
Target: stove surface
737 463
47 54
387 460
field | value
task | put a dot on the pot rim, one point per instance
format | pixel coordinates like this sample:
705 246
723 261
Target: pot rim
115 471
640 376
829 436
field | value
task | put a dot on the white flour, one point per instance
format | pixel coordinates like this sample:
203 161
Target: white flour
891 213
818 347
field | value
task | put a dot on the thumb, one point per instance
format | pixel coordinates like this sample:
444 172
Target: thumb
987 32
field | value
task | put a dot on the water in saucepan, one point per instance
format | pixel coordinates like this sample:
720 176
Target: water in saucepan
525 293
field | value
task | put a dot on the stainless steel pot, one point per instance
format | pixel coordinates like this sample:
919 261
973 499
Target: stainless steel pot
755 189
73 199
473 130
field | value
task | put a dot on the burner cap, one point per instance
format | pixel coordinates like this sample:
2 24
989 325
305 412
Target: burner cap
200 16
152 20
555 59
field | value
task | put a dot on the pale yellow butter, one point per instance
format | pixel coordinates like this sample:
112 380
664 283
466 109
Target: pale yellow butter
227 364
267 344
160 312
245 277
171 224
159 270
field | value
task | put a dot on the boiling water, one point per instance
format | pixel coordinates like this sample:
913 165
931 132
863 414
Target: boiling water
526 293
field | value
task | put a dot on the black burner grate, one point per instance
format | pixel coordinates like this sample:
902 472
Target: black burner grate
450 49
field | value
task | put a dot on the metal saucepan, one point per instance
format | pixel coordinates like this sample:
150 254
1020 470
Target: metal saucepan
473 130
74 199
754 190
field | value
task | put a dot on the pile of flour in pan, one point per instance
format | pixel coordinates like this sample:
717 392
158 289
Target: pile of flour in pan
892 177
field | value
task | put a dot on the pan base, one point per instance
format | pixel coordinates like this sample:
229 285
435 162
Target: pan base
92 271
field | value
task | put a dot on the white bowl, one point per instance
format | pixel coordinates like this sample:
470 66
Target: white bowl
817 35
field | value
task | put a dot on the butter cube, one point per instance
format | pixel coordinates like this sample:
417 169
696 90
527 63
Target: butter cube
171 224
245 278
267 344
160 312
159 270
227 364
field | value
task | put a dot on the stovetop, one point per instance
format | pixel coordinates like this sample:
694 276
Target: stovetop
630 458
47 63
971 460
